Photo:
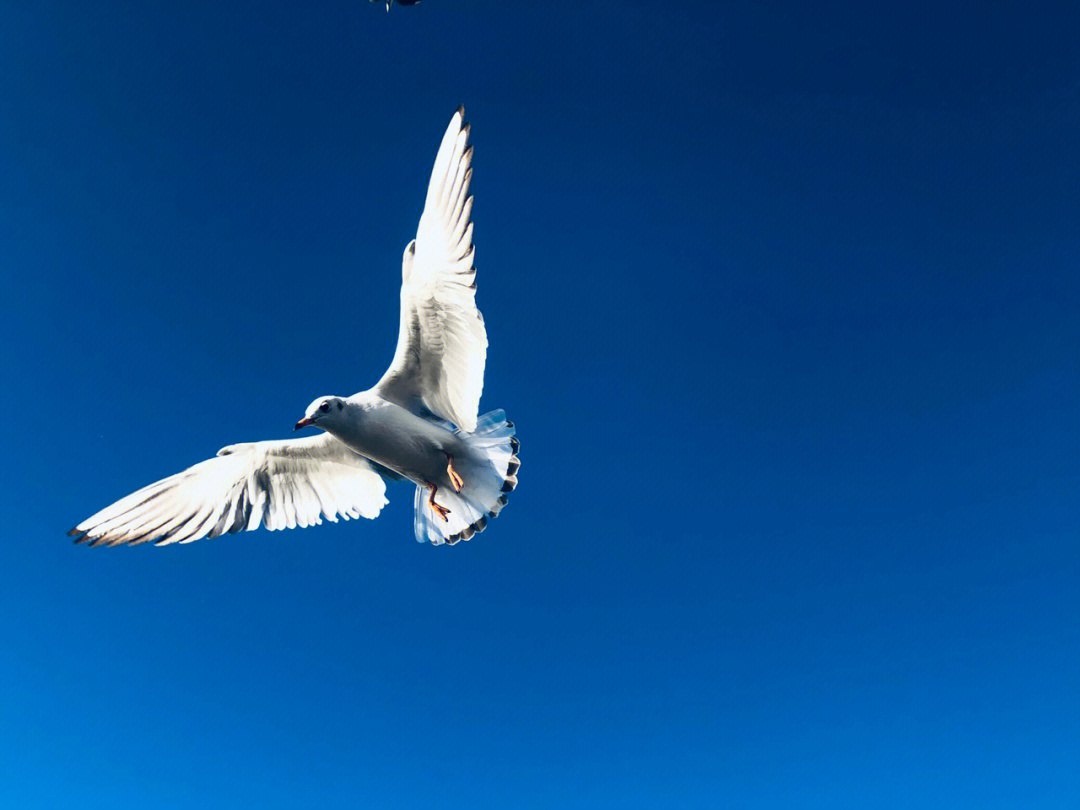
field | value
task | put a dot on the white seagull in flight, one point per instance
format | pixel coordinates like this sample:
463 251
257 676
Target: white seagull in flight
419 421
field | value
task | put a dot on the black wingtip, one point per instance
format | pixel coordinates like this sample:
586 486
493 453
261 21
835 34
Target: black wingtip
78 536
461 111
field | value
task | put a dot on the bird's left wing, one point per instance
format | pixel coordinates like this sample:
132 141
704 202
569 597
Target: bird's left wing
442 343
282 484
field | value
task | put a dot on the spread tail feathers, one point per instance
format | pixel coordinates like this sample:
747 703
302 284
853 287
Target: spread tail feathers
489 474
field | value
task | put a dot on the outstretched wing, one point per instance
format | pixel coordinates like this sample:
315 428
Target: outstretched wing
282 484
442 344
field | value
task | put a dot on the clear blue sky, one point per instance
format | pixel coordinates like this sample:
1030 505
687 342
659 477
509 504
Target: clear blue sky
785 304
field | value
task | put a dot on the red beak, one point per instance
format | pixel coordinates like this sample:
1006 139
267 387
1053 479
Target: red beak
303 423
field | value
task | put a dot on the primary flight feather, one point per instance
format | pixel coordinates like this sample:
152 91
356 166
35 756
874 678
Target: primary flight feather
419 422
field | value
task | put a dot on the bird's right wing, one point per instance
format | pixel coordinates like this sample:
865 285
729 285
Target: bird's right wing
282 484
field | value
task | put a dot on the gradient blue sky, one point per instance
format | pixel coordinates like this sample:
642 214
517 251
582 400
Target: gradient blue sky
783 301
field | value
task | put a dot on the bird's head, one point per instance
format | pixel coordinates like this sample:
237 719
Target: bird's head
323 413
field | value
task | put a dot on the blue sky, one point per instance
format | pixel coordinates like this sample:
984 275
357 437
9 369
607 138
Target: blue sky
784 302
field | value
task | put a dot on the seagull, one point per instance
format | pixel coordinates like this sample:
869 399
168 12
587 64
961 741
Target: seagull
399 2
419 422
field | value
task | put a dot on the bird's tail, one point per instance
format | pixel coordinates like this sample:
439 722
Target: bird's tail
489 473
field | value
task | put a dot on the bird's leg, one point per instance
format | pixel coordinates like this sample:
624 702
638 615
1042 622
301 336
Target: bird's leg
455 479
441 511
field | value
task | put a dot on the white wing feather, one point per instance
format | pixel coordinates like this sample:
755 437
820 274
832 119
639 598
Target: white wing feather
283 484
442 343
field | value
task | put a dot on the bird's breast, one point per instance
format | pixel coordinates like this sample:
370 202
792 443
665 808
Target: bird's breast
398 439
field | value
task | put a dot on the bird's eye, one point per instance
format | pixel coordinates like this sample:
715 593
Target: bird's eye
324 407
